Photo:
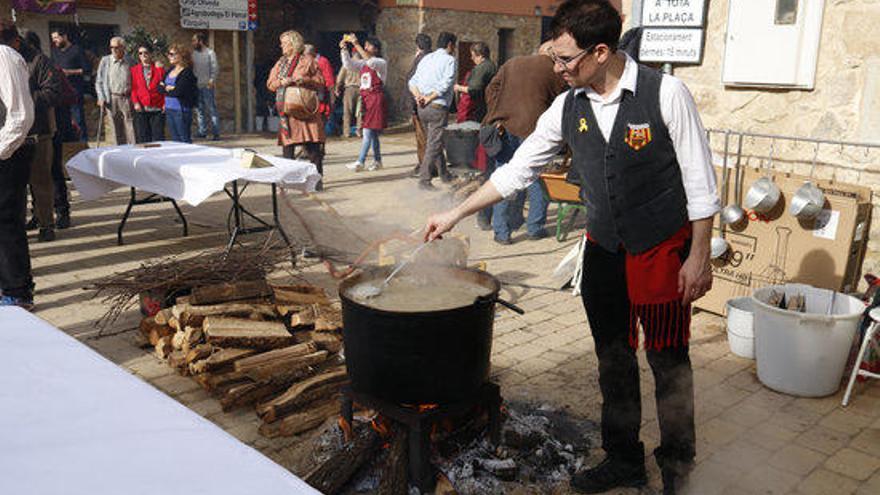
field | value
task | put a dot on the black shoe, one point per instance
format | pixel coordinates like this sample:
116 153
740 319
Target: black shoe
33 224
63 219
537 236
447 177
609 474
426 186
673 470
504 241
416 172
46 235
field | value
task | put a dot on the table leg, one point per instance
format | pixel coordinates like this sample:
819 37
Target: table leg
131 201
182 218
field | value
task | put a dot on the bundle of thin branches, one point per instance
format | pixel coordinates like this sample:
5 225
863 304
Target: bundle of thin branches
173 274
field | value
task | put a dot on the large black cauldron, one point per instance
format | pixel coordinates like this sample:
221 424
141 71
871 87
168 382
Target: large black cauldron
434 357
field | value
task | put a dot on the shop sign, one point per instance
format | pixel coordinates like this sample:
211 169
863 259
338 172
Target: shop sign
223 15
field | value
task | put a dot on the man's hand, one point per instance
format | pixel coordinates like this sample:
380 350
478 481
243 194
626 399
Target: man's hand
100 103
694 278
440 223
210 84
137 107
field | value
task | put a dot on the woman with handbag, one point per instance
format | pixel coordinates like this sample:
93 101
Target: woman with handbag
373 70
181 93
149 103
296 79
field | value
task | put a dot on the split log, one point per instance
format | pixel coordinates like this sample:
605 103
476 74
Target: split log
141 341
248 393
238 332
286 309
302 393
177 340
163 347
393 475
177 360
163 315
199 353
192 315
182 300
212 294
226 358
192 336
153 330
275 356
444 486
333 474
299 294
213 382
304 318
286 370
329 319
327 341
301 421
174 323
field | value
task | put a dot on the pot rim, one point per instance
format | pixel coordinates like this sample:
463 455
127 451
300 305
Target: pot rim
355 278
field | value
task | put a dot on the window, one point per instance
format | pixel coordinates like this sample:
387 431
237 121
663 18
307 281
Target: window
786 12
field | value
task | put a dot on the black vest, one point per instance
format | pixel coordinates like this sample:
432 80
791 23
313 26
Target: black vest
631 185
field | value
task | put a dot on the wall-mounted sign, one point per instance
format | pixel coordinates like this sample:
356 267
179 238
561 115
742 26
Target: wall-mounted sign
45 6
225 15
667 45
673 13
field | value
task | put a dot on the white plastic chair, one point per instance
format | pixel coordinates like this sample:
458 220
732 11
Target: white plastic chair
857 371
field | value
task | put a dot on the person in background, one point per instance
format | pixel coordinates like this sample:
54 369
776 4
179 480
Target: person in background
181 93
432 88
326 95
373 70
423 47
46 91
16 154
149 102
113 88
295 68
514 105
206 70
483 71
265 99
71 59
65 132
348 87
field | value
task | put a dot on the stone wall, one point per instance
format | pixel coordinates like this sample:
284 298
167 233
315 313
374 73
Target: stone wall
844 105
398 26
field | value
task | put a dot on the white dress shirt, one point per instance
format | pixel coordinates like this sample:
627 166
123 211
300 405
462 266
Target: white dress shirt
679 113
15 96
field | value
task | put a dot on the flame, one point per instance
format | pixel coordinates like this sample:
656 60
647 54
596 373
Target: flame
345 426
381 426
426 407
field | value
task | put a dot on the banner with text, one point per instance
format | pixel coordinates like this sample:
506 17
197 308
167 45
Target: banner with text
45 6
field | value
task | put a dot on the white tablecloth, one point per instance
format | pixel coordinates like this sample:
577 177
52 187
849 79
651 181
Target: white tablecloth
179 171
73 423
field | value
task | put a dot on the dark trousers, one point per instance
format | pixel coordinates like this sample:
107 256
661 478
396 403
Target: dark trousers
64 134
149 126
434 119
604 293
15 260
314 152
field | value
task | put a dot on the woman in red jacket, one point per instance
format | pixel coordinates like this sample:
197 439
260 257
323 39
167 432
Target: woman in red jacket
149 103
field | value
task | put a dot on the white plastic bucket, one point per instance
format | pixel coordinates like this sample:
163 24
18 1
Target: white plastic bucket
804 354
741 327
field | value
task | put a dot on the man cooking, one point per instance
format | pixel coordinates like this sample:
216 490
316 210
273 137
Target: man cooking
640 154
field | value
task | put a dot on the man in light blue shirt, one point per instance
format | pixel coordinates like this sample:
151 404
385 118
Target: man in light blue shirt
432 87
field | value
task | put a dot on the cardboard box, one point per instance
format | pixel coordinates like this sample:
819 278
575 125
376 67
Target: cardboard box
777 247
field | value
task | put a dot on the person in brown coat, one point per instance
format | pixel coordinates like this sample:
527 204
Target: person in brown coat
295 68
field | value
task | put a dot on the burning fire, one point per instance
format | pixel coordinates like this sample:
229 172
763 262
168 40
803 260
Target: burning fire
345 426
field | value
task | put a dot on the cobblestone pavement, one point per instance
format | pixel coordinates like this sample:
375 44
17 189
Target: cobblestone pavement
750 439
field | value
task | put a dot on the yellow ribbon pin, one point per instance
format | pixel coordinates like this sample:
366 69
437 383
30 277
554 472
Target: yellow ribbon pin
583 126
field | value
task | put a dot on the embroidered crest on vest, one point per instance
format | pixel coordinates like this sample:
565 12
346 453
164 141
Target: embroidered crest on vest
638 135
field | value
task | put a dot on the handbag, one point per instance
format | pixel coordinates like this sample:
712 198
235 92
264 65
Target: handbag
301 103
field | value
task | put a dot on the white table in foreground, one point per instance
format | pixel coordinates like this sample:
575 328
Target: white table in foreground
73 423
188 172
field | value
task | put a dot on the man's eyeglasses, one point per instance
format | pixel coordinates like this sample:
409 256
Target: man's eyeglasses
116 47
143 53
565 62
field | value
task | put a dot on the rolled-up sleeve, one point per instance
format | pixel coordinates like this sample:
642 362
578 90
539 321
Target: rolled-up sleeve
539 149
16 97
691 148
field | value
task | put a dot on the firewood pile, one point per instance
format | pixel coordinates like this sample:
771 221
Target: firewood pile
252 344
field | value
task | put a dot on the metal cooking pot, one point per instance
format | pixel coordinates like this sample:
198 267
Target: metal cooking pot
733 214
431 357
764 194
809 200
